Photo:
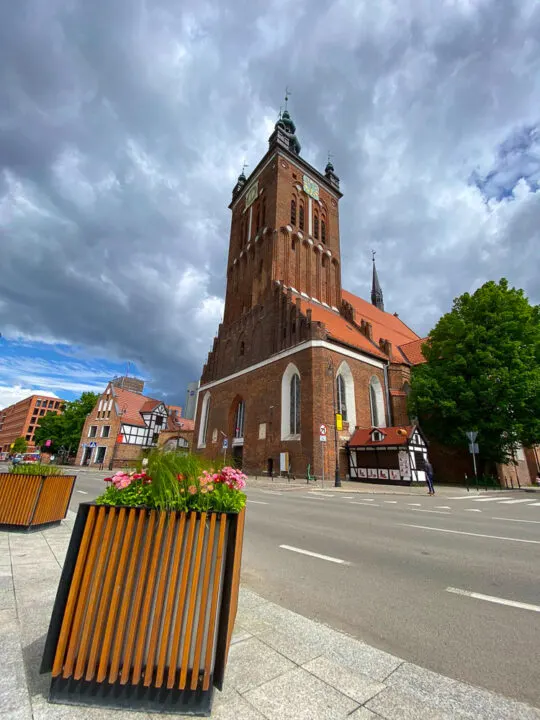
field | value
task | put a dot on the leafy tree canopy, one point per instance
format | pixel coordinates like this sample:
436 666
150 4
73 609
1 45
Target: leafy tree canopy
65 430
482 373
19 446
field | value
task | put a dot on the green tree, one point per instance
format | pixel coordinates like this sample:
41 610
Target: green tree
482 373
65 430
20 445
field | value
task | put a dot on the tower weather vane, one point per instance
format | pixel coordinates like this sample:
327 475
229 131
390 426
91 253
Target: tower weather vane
287 93
373 253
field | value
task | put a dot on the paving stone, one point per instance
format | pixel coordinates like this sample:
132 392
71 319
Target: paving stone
234 708
363 714
295 646
392 704
248 599
298 695
357 686
252 663
240 635
362 658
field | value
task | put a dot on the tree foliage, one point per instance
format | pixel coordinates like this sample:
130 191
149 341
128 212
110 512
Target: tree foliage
65 430
20 445
482 373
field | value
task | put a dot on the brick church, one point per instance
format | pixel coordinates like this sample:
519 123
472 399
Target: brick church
295 351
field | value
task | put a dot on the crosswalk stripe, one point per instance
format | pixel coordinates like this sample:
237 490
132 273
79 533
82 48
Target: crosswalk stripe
515 502
498 498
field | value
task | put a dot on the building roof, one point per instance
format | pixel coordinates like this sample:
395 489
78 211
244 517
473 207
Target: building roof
413 351
392 436
339 328
385 325
180 425
131 404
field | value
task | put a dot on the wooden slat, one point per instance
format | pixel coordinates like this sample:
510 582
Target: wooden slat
140 589
73 644
160 597
104 600
100 569
115 599
54 499
147 605
181 599
204 599
170 600
120 626
233 608
192 599
18 496
71 602
213 606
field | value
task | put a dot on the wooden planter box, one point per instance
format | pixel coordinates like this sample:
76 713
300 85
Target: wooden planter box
31 501
145 609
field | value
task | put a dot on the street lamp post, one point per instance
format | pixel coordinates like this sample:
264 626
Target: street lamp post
337 479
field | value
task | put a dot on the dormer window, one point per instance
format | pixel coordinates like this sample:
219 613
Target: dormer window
377 435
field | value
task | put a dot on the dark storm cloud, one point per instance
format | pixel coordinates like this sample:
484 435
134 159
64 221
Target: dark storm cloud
123 126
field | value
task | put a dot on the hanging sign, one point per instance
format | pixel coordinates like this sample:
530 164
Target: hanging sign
339 421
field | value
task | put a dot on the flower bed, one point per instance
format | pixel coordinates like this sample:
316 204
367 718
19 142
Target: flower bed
148 595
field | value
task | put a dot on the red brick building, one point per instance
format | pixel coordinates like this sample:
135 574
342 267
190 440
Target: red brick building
22 418
294 348
122 424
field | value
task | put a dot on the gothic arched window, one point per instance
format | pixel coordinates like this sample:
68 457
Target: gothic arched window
263 219
258 222
290 403
239 420
377 403
205 414
341 397
301 217
295 405
293 212
323 230
316 226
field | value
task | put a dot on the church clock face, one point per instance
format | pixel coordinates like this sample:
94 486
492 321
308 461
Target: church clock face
252 194
311 188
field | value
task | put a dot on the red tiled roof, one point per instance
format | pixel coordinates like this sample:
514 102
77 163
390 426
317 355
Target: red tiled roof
181 424
339 328
413 351
131 404
362 437
385 325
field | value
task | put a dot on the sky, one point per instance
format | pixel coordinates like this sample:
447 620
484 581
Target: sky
124 125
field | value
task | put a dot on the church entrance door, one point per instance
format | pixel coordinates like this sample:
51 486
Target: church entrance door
238 456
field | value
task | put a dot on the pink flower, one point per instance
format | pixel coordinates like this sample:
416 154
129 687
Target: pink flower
204 490
192 490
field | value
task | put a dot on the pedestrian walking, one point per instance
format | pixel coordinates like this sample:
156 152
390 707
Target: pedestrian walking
428 467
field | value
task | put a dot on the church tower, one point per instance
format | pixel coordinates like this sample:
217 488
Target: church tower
376 291
284 229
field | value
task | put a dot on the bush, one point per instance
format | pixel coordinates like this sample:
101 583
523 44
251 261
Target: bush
36 469
176 481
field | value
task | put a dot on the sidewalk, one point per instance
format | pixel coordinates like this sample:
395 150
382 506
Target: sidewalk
282 666
352 486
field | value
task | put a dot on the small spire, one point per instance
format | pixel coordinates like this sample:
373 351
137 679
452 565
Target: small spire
376 291
287 93
329 166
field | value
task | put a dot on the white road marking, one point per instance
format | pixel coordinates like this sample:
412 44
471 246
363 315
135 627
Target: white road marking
369 500
515 502
390 502
311 497
346 497
535 505
257 502
460 532
315 555
83 492
315 492
271 492
472 496
493 599
438 512
536 522
443 507
415 504
472 510
353 502
499 498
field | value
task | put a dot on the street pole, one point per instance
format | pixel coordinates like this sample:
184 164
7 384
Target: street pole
337 479
322 462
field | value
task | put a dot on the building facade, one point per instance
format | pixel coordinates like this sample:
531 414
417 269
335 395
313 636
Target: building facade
122 424
295 351
21 419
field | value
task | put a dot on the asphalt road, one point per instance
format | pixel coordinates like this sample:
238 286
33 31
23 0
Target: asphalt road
390 563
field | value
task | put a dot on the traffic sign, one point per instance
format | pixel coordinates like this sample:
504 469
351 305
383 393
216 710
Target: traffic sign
472 434
322 438
225 443
473 448
322 430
